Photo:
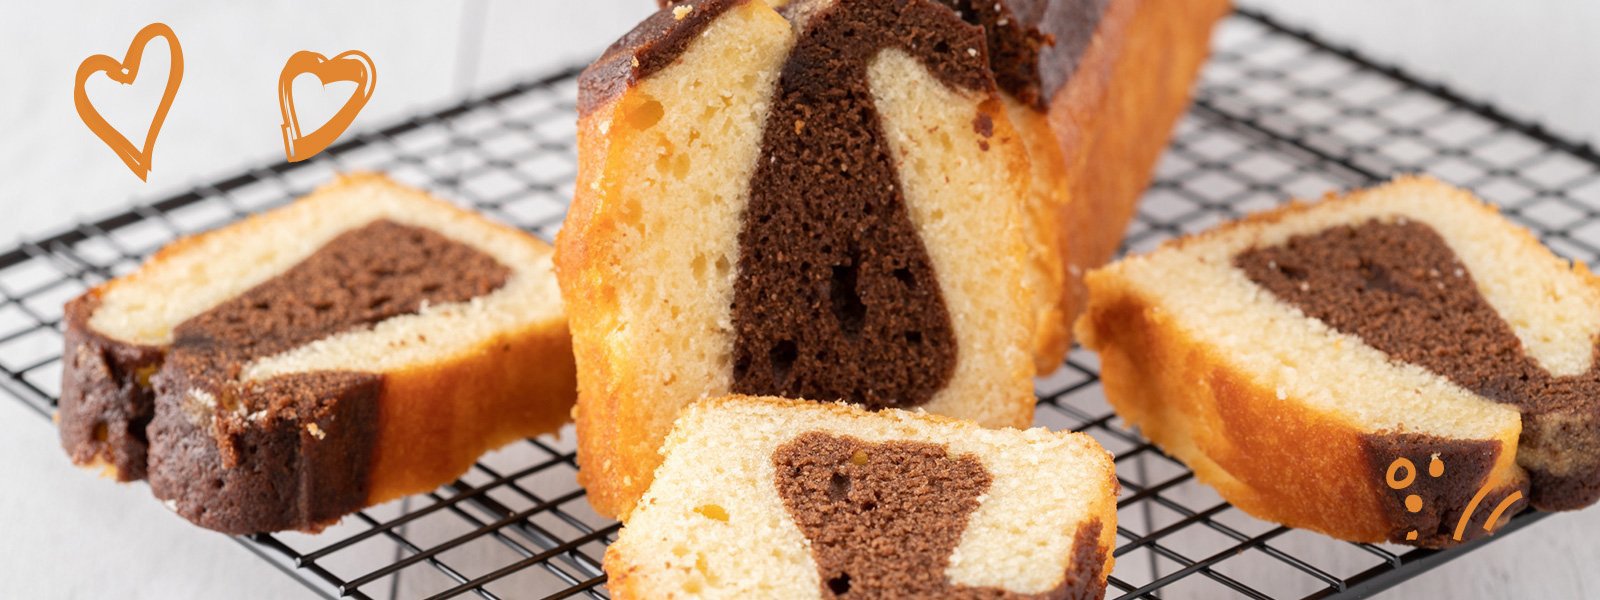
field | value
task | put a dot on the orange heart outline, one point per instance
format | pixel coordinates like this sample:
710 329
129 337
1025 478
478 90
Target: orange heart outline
351 65
124 72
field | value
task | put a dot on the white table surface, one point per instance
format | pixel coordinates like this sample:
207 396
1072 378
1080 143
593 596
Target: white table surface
64 533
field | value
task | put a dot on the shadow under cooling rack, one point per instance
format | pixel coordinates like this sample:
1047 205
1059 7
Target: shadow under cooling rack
1278 114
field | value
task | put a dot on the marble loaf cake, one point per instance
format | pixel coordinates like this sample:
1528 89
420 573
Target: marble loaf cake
774 498
822 204
1093 88
363 343
1401 364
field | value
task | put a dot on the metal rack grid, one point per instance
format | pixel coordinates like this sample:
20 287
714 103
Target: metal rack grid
1279 114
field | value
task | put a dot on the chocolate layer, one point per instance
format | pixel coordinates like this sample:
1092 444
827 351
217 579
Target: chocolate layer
1086 576
836 298
106 398
1034 45
1401 289
293 451
301 468
649 47
883 518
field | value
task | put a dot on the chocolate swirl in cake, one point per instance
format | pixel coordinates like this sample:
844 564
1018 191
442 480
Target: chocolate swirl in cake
299 442
884 518
836 297
1400 288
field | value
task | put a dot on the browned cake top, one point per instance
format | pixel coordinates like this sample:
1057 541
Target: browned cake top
836 297
1400 288
1034 45
883 518
649 47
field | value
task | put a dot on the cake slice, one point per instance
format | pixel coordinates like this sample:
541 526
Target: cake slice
363 343
825 209
1093 89
1400 364
775 498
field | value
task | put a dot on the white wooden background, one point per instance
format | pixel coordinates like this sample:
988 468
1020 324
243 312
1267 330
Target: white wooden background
64 533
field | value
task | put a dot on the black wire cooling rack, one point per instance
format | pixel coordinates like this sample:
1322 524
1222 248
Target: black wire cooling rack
1279 114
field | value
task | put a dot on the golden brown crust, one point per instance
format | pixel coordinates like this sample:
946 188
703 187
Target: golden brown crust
435 420
1112 121
621 575
1048 191
605 425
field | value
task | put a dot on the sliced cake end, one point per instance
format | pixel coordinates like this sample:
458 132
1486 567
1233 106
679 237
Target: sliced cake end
362 343
767 497
1374 367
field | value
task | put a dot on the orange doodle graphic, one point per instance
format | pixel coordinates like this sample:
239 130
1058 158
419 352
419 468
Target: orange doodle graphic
1494 517
137 158
353 66
1413 502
